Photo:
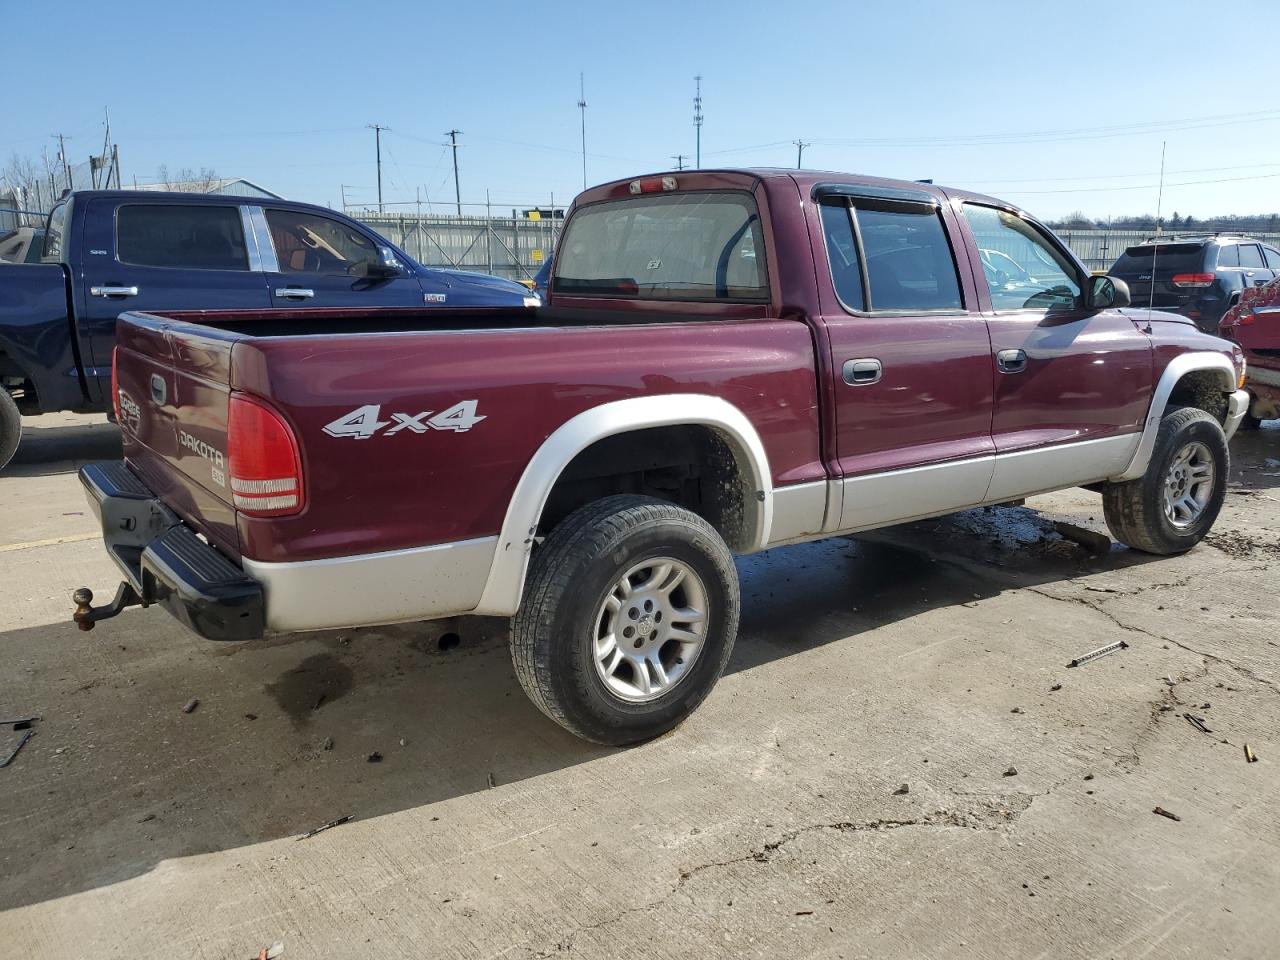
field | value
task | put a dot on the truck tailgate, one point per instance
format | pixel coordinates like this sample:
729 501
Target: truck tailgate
173 387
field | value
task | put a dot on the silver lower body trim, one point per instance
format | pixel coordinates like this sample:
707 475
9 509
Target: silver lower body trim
419 583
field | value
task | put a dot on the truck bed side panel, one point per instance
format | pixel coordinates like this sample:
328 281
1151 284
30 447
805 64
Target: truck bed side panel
414 486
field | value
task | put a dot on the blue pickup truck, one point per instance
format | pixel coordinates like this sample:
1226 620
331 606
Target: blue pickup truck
109 251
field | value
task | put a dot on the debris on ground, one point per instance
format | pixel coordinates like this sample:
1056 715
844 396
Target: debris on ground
1016 710
271 952
1100 652
1099 544
1055 688
902 790
190 705
147 819
19 724
1249 755
327 743
1197 722
374 757
1011 772
327 826
1161 811
492 782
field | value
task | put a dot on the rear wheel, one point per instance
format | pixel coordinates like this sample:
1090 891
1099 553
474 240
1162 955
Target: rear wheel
629 616
1171 507
10 427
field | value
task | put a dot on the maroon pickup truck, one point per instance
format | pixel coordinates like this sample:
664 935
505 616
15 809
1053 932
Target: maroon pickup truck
727 361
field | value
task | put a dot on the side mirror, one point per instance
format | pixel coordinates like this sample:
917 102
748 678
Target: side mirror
1108 292
387 264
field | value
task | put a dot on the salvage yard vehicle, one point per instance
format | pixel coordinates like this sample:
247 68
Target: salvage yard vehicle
727 361
1201 276
105 251
1254 324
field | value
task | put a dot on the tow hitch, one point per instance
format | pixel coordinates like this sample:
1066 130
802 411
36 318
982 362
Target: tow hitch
87 615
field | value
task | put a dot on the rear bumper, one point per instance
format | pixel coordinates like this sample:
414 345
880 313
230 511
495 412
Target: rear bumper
166 563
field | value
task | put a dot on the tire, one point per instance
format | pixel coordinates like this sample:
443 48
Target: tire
573 603
1136 509
10 427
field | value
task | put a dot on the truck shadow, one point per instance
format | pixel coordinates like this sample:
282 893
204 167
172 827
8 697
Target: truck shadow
49 447
293 732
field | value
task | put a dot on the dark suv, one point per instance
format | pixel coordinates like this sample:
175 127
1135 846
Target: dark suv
1200 277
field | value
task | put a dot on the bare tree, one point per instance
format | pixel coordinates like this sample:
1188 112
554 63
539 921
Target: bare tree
187 180
36 184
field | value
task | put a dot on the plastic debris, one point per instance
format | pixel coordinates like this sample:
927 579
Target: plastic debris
1100 652
1161 811
1197 722
190 705
1249 755
327 826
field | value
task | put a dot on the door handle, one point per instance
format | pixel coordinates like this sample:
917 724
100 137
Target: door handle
295 293
863 371
112 290
159 391
1011 361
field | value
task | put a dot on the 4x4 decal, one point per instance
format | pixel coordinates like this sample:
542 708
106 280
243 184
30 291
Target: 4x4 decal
363 422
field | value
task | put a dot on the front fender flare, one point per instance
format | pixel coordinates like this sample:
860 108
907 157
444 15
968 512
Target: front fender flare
1178 368
505 584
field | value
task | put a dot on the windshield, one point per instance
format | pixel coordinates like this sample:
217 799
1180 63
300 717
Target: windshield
690 246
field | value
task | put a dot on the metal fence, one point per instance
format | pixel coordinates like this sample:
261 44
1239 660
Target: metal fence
511 247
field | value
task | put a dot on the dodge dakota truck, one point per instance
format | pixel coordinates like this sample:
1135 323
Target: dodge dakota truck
108 251
727 361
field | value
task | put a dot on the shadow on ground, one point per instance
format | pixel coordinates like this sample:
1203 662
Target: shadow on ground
47 450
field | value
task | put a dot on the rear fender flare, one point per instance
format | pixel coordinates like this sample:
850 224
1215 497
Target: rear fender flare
505 584
1178 368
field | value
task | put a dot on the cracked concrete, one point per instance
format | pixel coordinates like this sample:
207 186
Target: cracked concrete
770 825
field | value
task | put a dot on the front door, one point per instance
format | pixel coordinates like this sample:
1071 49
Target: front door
156 257
912 362
324 262
1071 385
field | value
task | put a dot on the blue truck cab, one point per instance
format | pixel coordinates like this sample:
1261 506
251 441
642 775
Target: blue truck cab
108 251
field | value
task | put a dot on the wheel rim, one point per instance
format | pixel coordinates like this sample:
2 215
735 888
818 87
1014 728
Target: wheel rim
1188 485
650 628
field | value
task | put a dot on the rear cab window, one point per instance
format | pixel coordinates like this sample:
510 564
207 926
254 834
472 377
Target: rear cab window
202 237
698 246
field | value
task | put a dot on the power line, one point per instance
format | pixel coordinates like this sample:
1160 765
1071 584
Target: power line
679 158
1150 186
457 190
377 139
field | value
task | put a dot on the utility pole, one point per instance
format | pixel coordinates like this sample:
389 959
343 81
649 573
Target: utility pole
800 145
582 105
342 187
697 121
457 190
377 129
679 158
62 154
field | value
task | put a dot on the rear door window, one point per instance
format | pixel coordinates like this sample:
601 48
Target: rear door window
1023 268
671 246
1273 258
176 235
1250 255
54 230
1229 256
842 254
909 263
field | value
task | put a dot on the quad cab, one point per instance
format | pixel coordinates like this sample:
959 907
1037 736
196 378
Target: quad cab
727 361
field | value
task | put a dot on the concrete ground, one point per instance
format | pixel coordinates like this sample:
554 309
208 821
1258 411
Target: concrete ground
772 824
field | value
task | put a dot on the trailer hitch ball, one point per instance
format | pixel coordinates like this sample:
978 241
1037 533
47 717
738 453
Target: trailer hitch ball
83 599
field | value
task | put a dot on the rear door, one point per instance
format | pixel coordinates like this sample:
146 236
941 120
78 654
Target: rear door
148 256
1256 271
326 262
1071 385
912 360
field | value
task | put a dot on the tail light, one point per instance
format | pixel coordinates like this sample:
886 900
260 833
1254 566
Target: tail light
653 185
1192 279
263 461
115 382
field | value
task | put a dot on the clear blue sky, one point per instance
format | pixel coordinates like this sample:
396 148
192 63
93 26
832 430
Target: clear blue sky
1053 106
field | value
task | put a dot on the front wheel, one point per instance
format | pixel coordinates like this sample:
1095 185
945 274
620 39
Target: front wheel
628 619
1171 507
10 427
